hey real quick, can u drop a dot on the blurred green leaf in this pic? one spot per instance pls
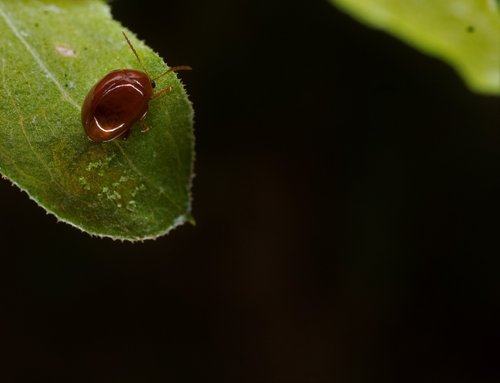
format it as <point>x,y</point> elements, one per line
<point>51,54</point>
<point>465,33</point>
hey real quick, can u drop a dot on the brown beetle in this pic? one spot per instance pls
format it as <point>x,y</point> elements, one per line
<point>119,100</point>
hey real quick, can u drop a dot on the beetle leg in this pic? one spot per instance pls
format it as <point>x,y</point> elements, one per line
<point>125,135</point>
<point>162,92</point>
<point>144,126</point>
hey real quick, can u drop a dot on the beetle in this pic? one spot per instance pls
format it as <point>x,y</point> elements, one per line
<point>119,100</point>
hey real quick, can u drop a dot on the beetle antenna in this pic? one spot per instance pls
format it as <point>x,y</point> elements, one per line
<point>135,53</point>
<point>174,69</point>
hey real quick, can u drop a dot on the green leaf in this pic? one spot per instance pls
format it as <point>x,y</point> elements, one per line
<point>51,54</point>
<point>465,33</point>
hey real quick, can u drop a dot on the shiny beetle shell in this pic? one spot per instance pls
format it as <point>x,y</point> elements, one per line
<point>115,104</point>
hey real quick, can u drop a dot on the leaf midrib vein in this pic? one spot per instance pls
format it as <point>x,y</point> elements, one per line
<point>10,23</point>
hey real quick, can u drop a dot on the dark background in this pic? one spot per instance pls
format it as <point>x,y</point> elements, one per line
<point>347,200</point>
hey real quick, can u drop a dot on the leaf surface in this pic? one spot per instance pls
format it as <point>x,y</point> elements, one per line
<point>465,33</point>
<point>51,54</point>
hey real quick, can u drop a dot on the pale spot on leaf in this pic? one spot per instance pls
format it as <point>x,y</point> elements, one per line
<point>65,51</point>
